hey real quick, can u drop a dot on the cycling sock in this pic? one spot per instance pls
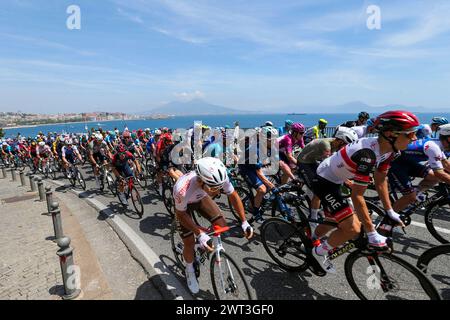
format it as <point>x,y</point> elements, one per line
<point>323,248</point>
<point>314,213</point>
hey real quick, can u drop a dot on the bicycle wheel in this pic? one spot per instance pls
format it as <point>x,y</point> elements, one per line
<point>73,178</point>
<point>80,180</point>
<point>247,201</point>
<point>435,262</point>
<point>284,243</point>
<point>137,202</point>
<point>168,200</point>
<point>227,278</point>
<point>387,277</point>
<point>111,184</point>
<point>437,220</point>
<point>177,244</point>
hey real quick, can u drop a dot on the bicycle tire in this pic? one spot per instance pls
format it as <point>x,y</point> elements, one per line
<point>371,282</point>
<point>137,202</point>
<point>81,180</point>
<point>168,200</point>
<point>430,254</point>
<point>284,243</point>
<point>431,217</point>
<point>224,258</point>
<point>177,252</point>
<point>111,184</point>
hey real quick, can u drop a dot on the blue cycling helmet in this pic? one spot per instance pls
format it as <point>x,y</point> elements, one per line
<point>370,122</point>
<point>439,120</point>
<point>423,131</point>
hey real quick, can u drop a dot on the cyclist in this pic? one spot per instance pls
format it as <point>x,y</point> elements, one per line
<point>286,146</point>
<point>98,153</point>
<point>357,161</point>
<point>314,153</point>
<point>424,131</point>
<point>287,127</point>
<point>254,174</point>
<point>408,165</point>
<point>43,152</point>
<point>165,158</point>
<point>436,122</point>
<point>316,131</point>
<point>68,154</point>
<point>365,129</point>
<point>121,167</point>
<point>6,152</point>
<point>194,191</point>
<point>128,142</point>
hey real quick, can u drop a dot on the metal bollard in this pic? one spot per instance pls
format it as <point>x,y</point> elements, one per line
<point>56,218</point>
<point>70,272</point>
<point>49,197</point>
<point>22,178</point>
<point>40,184</point>
<point>4,172</point>
<point>13,174</point>
<point>32,183</point>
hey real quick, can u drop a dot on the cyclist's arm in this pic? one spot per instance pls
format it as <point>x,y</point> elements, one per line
<point>442,175</point>
<point>381,185</point>
<point>236,202</point>
<point>361,207</point>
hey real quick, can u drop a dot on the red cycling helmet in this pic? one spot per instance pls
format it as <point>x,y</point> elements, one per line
<point>397,120</point>
<point>167,137</point>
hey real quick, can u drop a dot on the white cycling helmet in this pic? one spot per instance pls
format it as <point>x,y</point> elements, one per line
<point>444,130</point>
<point>99,137</point>
<point>211,171</point>
<point>157,132</point>
<point>41,144</point>
<point>348,135</point>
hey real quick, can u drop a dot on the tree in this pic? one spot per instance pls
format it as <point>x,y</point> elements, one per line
<point>2,133</point>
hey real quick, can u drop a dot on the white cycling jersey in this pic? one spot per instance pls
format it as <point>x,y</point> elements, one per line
<point>361,131</point>
<point>355,161</point>
<point>187,190</point>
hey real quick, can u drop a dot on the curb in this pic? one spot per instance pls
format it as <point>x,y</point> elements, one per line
<point>161,277</point>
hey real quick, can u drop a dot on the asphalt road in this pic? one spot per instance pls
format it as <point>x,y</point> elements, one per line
<point>267,280</point>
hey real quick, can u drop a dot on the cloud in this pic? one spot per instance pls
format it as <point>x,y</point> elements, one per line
<point>132,17</point>
<point>187,96</point>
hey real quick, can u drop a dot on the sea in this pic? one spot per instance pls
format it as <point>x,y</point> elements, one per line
<point>245,121</point>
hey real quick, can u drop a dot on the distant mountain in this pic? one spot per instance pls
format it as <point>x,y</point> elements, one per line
<point>193,107</point>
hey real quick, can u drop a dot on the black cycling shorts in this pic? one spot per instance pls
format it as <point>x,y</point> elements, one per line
<point>336,206</point>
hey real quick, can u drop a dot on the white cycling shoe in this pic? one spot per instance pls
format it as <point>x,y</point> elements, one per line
<point>192,281</point>
<point>324,262</point>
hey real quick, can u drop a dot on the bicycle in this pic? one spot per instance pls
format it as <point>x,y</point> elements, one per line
<point>167,195</point>
<point>371,274</point>
<point>227,284</point>
<point>105,175</point>
<point>130,191</point>
<point>431,254</point>
<point>74,175</point>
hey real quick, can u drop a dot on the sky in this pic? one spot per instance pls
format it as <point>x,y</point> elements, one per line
<point>134,55</point>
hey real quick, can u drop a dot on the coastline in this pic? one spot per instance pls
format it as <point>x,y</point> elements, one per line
<point>62,123</point>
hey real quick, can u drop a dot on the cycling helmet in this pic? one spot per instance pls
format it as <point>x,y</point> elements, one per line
<point>75,140</point>
<point>348,135</point>
<point>266,130</point>
<point>69,142</point>
<point>166,137</point>
<point>423,131</point>
<point>98,137</point>
<point>298,127</point>
<point>439,120</point>
<point>147,129</point>
<point>288,122</point>
<point>268,124</point>
<point>41,144</point>
<point>323,121</point>
<point>5,144</point>
<point>397,121</point>
<point>121,148</point>
<point>444,130</point>
<point>133,136</point>
<point>157,132</point>
<point>363,115</point>
<point>211,171</point>
<point>370,122</point>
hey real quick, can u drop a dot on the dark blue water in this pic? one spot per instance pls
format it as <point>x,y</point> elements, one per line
<point>245,121</point>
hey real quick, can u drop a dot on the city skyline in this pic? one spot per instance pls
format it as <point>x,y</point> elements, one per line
<point>138,55</point>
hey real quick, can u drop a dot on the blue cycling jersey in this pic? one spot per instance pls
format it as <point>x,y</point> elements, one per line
<point>416,150</point>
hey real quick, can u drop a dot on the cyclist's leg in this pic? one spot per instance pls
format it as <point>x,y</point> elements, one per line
<point>211,211</point>
<point>399,176</point>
